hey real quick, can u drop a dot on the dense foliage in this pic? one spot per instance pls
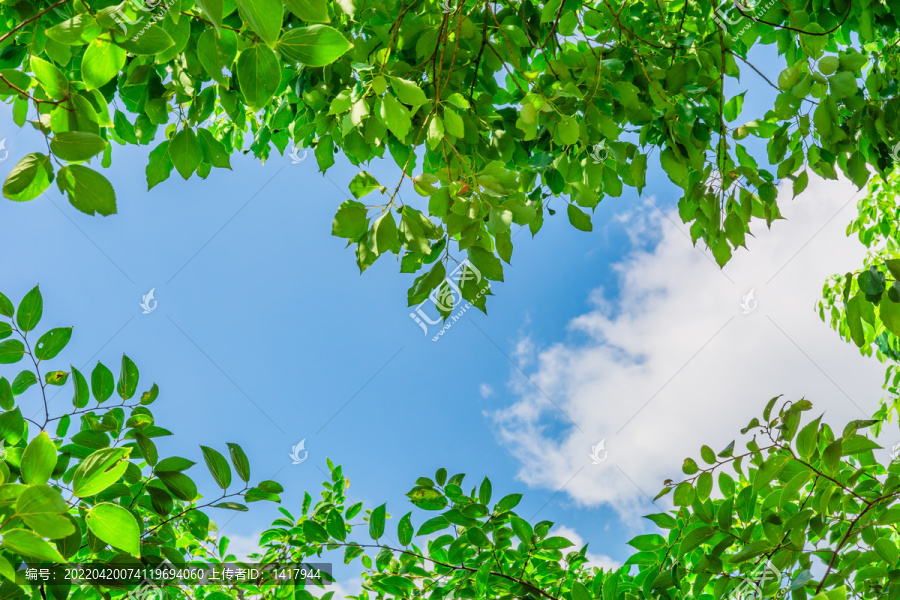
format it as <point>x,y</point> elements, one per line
<point>85,483</point>
<point>804,512</point>
<point>500,113</point>
<point>864,306</point>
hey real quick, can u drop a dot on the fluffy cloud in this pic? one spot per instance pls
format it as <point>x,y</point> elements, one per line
<point>680,354</point>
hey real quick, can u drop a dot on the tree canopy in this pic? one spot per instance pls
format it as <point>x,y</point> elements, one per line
<point>804,511</point>
<point>501,113</point>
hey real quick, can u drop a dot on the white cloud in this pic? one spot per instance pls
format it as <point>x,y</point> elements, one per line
<point>671,361</point>
<point>594,560</point>
<point>485,390</point>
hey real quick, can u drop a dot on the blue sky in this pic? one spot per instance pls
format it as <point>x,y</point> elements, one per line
<point>259,305</point>
<point>265,333</point>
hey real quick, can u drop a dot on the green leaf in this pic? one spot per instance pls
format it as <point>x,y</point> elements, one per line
<point>214,9</point>
<point>116,526</point>
<point>363,183</point>
<point>185,152</point>
<point>556,543</point>
<point>50,77</point>
<point>733,107</point>
<point>217,52</point>
<point>100,470</point>
<point>101,62</point>
<point>405,529</point>
<point>82,393</point>
<point>240,461</point>
<point>150,395</point>
<point>427,498</point>
<point>522,528</point>
<point>395,116</point>
<point>843,84</point>
<point>128,379</point>
<point>6,306</point>
<point>486,263</point>
<point>408,92</point>
<point>7,400</point>
<point>23,381</point>
<point>38,459</point>
<point>750,550</point>
<point>52,343</point>
<point>889,313</point>
<point>146,447</point>
<point>77,145</point>
<point>159,166</point>
<point>30,310</point>
<point>11,352</point>
<point>264,17</point>
<point>259,74</point>
<point>351,220</point>
<point>29,178</point>
<point>485,491</point>
<point>578,218</point>
<point>30,544</point>
<point>42,508</point>
<point>152,40</point>
<point>567,130</point>
<point>886,550</point>
<point>806,439</point>
<point>386,235</point>
<point>89,191</point>
<point>435,131</point>
<point>508,503</point>
<point>580,591</point>
<point>175,464</point>
<point>314,532</point>
<point>231,506</point>
<point>102,382</point>
<point>314,46</point>
<point>334,523</point>
<point>453,123</point>
<point>376,522</point>
<point>181,486</point>
<point>81,29</point>
<point>854,321</point>
<point>857,444</point>
<point>217,466</point>
<point>309,11</point>
<point>650,541</point>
